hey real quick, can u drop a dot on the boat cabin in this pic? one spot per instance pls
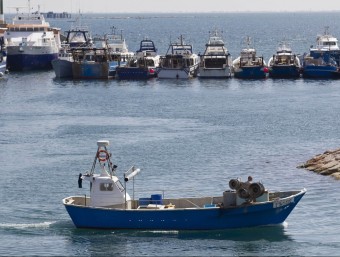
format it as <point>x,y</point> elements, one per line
<point>216,55</point>
<point>147,48</point>
<point>78,37</point>
<point>106,190</point>
<point>105,187</point>
<point>326,42</point>
<point>326,48</point>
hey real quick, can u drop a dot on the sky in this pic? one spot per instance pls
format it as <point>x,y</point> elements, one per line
<point>141,6</point>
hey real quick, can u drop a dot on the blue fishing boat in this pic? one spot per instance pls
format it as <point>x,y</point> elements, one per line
<point>323,60</point>
<point>248,65</point>
<point>109,206</point>
<point>93,63</point>
<point>143,65</point>
<point>284,64</point>
<point>77,37</point>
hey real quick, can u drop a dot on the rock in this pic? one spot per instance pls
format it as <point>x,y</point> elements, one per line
<point>326,164</point>
<point>336,175</point>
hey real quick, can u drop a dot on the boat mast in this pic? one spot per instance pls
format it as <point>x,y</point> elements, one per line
<point>29,8</point>
<point>2,18</point>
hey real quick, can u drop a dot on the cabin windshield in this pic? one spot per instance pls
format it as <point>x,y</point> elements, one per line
<point>329,43</point>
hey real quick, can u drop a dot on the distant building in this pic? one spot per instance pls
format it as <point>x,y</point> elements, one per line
<point>52,15</point>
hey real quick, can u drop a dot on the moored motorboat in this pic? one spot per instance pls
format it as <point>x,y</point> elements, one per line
<point>76,37</point>
<point>179,62</point>
<point>31,43</point>
<point>118,51</point>
<point>248,65</point>
<point>284,64</point>
<point>322,62</point>
<point>216,61</point>
<point>111,207</point>
<point>143,65</point>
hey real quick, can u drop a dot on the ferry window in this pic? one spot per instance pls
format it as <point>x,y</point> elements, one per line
<point>106,187</point>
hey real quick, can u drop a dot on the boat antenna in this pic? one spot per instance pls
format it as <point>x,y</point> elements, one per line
<point>113,30</point>
<point>248,41</point>
<point>29,8</point>
<point>181,39</point>
<point>326,30</point>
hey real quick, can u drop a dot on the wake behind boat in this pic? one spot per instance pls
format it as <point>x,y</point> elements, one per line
<point>31,43</point>
<point>179,62</point>
<point>111,207</point>
<point>216,60</point>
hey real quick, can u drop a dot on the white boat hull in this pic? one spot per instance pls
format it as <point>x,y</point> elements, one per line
<point>214,73</point>
<point>184,73</point>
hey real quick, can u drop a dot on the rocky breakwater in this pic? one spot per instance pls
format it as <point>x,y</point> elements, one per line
<point>327,164</point>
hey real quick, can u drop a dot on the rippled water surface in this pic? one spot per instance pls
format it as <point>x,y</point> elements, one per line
<point>188,137</point>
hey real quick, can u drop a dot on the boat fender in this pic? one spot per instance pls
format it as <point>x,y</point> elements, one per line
<point>102,155</point>
<point>235,184</point>
<point>80,181</point>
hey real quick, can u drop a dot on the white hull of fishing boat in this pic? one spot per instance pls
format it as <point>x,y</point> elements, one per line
<point>185,73</point>
<point>216,61</point>
<point>214,73</point>
<point>179,62</point>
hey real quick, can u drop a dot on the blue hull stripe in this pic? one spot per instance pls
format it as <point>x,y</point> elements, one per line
<point>133,73</point>
<point>250,73</point>
<point>284,72</point>
<point>21,62</point>
<point>319,72</point>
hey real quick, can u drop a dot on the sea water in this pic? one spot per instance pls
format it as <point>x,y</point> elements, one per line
<point>189,137</point>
